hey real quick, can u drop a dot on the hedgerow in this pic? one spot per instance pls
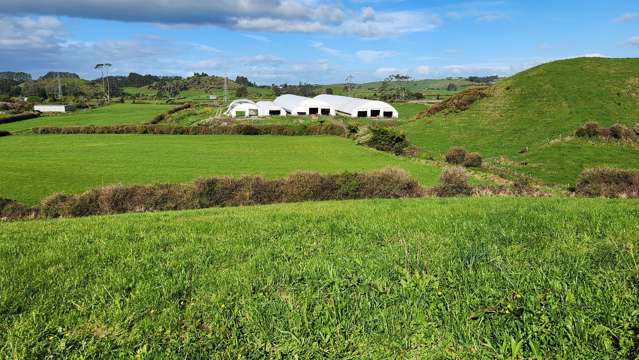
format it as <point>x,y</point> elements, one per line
<point>159,118</point>
<point>220,192</point>
<point>19,117</point>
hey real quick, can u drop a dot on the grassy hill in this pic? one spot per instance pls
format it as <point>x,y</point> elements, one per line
<point>105,115</point>
<point>540,105</point>
<point>423,278</point>
<point>34,167</point>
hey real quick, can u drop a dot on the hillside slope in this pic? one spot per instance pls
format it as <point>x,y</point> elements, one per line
<point>536,106</point>
<point>422,278</point>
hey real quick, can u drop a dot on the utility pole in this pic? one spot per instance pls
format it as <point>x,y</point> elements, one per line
<point>59,86</point>
<point>226,88</point>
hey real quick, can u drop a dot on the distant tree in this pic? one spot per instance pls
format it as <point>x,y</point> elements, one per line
<point>15,76</point>
<point>241,92</point>
<point>277,91</point>
<point>451,87</point>
<point>329,91</point>
<point>394,87</point>
<point>244,81</point>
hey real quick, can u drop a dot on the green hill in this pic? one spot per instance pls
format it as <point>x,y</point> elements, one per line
<point>537,109</point>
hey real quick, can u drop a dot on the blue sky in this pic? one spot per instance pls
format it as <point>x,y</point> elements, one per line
<point>317,41</point>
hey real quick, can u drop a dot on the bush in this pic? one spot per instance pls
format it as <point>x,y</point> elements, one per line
<point>456,156</point>
<point>159,118</point>
<point>608,182</point>
<point>472,159</point>
<point>4,133</point>
<point>453,182</point>
<point>383,139</point>
<point>13,210</point>
<point>19,117</point>
<point>590,129</point>
<point>617,131</point>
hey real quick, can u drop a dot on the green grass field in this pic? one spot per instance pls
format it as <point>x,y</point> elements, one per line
<point>106,115</point>
<point>538,105</point>
<point>34,167</point>
<point>423,278</point>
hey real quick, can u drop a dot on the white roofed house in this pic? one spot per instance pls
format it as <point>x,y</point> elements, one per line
<point>242,108</point>
<point>359,108</point>
<point>269,108</point>
<point>300,105</point>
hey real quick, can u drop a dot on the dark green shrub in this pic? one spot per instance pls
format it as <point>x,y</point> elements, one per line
<point>456,156</point>
<point>472,159</point>
<point>388,183</point>
<point>453,182</point>
<point>20,117</point>
<point>608,182</point>
<point>590,129</point>
<point>4,133</point>
<point>382,139</point>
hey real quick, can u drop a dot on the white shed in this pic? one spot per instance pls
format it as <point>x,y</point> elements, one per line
<point>54,108</point>
<point>269,108</point>
<point>242,108</point>
<point>359,108</point>
<point>300,105</point>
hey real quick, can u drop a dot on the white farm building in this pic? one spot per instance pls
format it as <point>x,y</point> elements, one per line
<point>359,108</point>
<point>269,108</point>
<point>300,105</point>
<point>242,108</point>
<point>53,108</point>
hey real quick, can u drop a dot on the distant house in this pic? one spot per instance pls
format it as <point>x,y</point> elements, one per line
<point>54,108</point>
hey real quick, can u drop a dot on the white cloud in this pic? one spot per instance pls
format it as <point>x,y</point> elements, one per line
<point>424,70</point>
<point>634,41</point>
<point>373,55</point>
<point>322,47</point>
<point>29,32</point>
<point>626,17</point>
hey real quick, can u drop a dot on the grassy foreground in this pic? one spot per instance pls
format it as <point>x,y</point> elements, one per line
<point>106,115</point>
<point>423,278</point>
<point>34,167</point>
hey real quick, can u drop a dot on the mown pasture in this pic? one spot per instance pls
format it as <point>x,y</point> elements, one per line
<point>422,278</point>
<point>106,115</point>
<point>37,166</point>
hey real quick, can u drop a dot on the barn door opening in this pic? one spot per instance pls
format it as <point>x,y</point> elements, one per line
<point>274,112</point>
<point>375,113</point>
<point>362,114</point>
<point>388,114</point>
<point>326,111</point>
<point>313,111</point>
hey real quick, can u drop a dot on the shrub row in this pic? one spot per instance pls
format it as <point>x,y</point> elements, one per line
<point>20,117</point>
<point>456,103</point>
<point>616,132</point>
<point>4,133</point>
<point>159,118</point>
<point>235,129</point>
<point>459,156</point>
<point>608,182</point>
<point>220,192</point>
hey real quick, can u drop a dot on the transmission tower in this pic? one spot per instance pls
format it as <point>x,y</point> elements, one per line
<point>349,84</point>
<point>59,86</point>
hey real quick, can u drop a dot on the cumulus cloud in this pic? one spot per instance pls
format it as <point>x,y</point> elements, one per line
<point>305,16</point>
<point>373,55</point>
<point>323,48</point>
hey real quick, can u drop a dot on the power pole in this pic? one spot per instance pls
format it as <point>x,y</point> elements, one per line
<point>226,88</point>
<point>59,86</point>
